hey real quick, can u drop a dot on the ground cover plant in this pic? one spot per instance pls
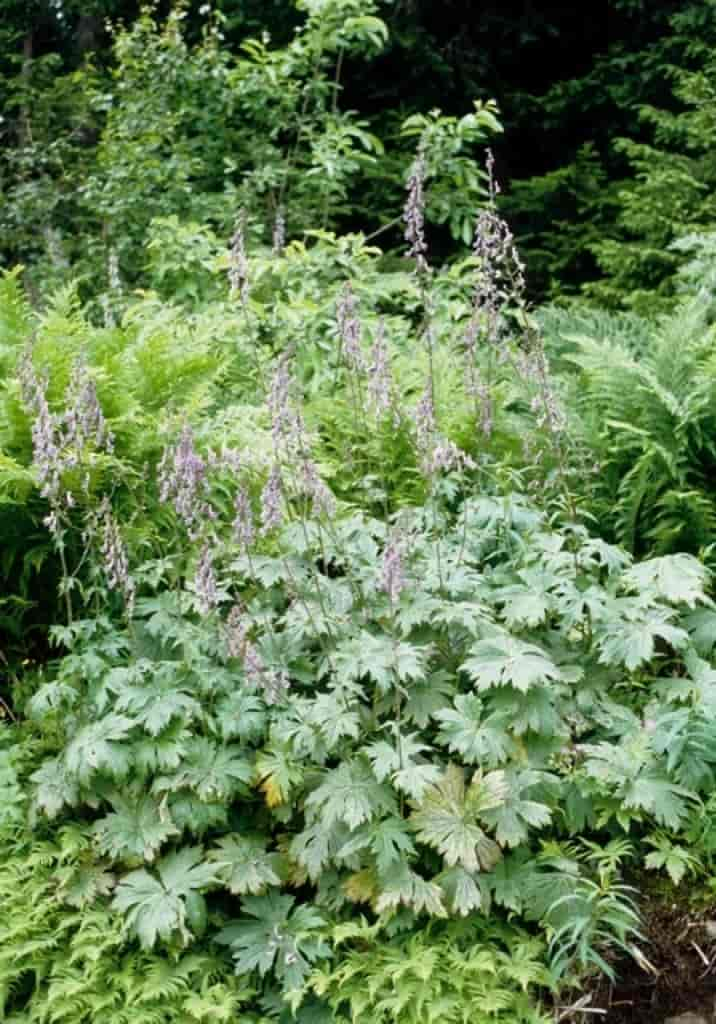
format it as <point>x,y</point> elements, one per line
<point>358,654</point>
<point>276,707</point>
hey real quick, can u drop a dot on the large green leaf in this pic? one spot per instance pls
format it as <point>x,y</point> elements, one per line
<point>274,933</point>
<point>350,794</point>
<point>506,661</point>
<point>448,818</point>
<point>137,827</point>
<point>159,906</point>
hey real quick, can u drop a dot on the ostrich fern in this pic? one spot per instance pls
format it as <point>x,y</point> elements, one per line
<point>651,422</point>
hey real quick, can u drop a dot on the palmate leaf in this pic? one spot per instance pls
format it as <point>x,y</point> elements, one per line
<point>669,804</point>
<point>462,891</point>
<point>279,772</point>
<point>470,615</point>
<point>597,552</point>
<point>679,579</point>
<point>213,772</point>
<point>164,753</point>
<point>447,818</point>
<point>81,886</point>
<point>334,718</point>
<point>137,827</point>
<point>55,787</point>
<point>401,886</point>
<point>98,747</point>
<point>241,715</point>
<point>699,686</point>
<point>388,840</point>
<point>419,610</point>
<point>478,738</point>
<point>274,934</point>
<point>427,696</point>
<point>534,711</point>
<point>390,843</point>
<point>298,730</point>
<point>244,864</point>
<point>312,848</point>
<point>575,604</point>
<point>632,644</point>
<point>155,703</point>
<point>381,659</point>
<point>688,741</point>
<point>399,764</point>
<point>506,661</point>
<point>159,906</point>
<point>52,697</point>
<point>195,816</point>
<point>350,794</point>
<point>315,726</point>
<point>615,764</point>
<point>517,814</point>
<point>631,773</point>
<point>701,624</point>
<point>527,603</point>
<point>508,880</point>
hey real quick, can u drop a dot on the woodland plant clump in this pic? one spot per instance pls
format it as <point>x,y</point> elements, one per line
<point>332,702</point>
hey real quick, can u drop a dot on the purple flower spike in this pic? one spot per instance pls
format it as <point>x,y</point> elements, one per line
<point>272,502</point>
<point>183,481</point>
<point>205,581</point>
<point>380,380</point>
<point>414,213</point>
<point>349,329</point>
<point>425,426</point>
<point>392,576</point>
<point>244,532</point>
<point>114,552</point>
<point>323,502</point>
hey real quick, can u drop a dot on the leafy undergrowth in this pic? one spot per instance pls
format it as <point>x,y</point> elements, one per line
<point>349,714</point>
<point>676,974</point>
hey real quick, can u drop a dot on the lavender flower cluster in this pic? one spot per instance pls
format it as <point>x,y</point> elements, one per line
<point>500,278</point>
<point>375,373</point>
<point>272,682</point>
<point>380,378</point>
<point>392,574</point>
<point>292,461</point>
<point>205,584</point>
<point>63,442</point>
<point>183,482</point>
<point>116,562</point>
<point>414,213</point>
<point>243,526</point>
<point>350,330</point>
<point>437,453</point>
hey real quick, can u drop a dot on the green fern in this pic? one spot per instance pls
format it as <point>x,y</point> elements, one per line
<point>651,422</point>
<point>446,974</point>
<point>70,964</point>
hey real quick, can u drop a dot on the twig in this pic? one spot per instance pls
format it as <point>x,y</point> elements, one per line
<point>704,959</point>
<point>708,969</point>
<point>581,1006</point>
<point>386,227</point>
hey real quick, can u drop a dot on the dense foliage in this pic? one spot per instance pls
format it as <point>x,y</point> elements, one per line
<point>358,640</point>
<point>605,112</point>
